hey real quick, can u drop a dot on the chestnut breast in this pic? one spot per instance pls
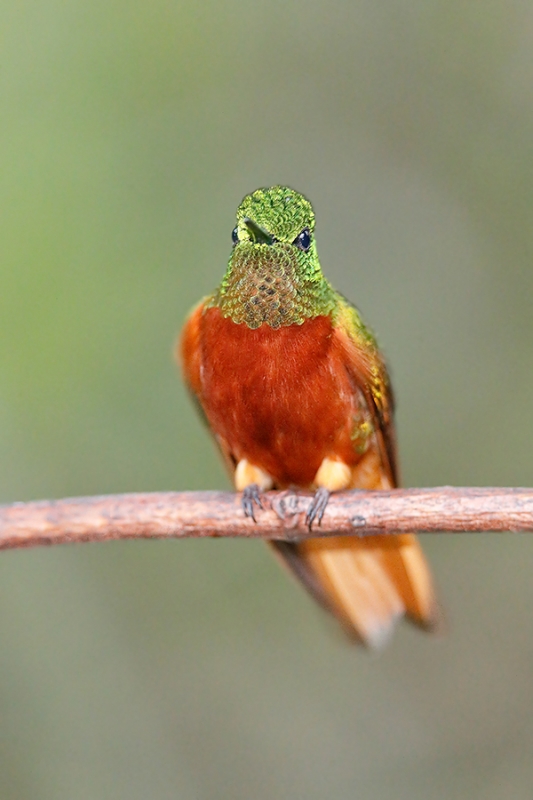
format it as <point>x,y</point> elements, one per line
<point>282,398</point>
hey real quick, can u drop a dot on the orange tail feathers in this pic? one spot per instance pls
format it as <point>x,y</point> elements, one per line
<point>367,583</point>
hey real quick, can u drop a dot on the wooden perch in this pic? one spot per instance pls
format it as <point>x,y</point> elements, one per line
<point>162,515</point>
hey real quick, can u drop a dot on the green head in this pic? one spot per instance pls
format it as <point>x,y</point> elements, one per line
<point>275,215</point>
<point>274,276</point>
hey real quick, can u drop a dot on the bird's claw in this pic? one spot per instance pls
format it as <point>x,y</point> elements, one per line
<point>251,495</point>
<point>317,507</point>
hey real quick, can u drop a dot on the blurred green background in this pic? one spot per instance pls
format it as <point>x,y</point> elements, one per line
<point>129,133</point>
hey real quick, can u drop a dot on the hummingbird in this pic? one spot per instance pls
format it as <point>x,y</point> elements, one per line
<point>296,393</point>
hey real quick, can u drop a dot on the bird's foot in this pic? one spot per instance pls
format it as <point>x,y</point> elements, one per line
<point>251,494</point>
<point>317,507</point>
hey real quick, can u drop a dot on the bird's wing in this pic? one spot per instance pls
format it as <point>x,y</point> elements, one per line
<point>188,350</point>
<point>188,354</point>
<point>368,583</point>
<point>367,370</point>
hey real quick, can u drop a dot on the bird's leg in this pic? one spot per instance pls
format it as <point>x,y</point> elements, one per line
<point>332,476</point>
<point>251,481</point>
<point>317,507</point>
<point>251,495</point>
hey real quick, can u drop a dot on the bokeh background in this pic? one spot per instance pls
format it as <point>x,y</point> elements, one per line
<point>129,133</point>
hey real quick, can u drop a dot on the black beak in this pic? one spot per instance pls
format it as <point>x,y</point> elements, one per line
<point>258,234</point>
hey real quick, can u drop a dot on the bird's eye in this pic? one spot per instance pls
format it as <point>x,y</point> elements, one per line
<point>235,235</point>
<point>303,240</point>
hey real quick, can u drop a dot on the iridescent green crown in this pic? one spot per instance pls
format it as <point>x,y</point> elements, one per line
<point>281,211</point>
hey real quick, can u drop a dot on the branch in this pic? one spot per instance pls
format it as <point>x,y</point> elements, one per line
<point>164,515</point>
